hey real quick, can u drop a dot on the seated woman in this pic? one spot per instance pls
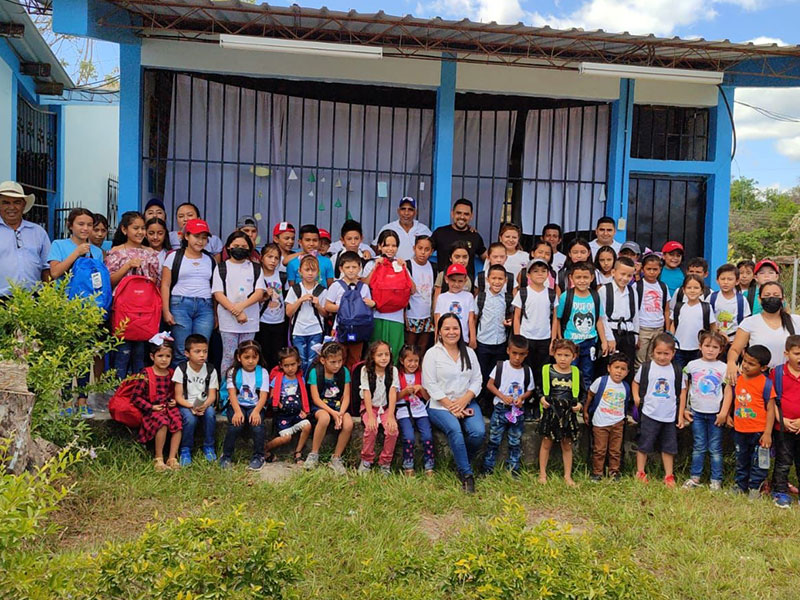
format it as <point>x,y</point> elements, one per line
<point>452,376</point>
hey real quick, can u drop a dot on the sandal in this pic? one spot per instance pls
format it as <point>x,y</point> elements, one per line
<point>173,465</point>
<point>269,457</point>
<point>298,457</point>
<point>159,465</point>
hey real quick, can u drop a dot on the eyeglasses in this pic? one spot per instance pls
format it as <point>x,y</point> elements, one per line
<point>18,236</point>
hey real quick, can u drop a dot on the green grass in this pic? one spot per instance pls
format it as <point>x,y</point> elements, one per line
<point>697,544</point>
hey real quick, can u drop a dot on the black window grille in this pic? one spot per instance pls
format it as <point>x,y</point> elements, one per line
<point>112,204</point>
<point>670,133</point>
<point>37,143</point>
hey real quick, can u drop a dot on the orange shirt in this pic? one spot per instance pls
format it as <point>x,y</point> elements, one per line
<point>750,414</point>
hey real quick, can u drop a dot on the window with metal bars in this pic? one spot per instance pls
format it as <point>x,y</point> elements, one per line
<point>37,143</point>
<point>670,133</point>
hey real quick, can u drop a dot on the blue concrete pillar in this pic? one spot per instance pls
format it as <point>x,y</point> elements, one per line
<point>444,122</point>
<point>130,127</point>
<point>718,186</point>
<point>619,156</point>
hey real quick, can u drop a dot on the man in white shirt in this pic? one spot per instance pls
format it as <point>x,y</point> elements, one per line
<point>551,233</point>
<point>407,228</point>
<point>604,230</point>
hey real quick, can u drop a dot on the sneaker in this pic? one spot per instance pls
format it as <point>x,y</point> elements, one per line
<point>737,491</point>
<point>781,500</point>
<point>669,481</point>
<point>85,412</point>
<point>67,412</point>
<point>692,484</point>
<point>186,457</point>
<point>715,485</point>
<point>386,469</point>
<point>754,494</point>
<point>337,464</point>
<point>515,473</point>
<point>364,468</point>
<point>641,476</point>
<point>256,463</point>
<point>312,461</point>
<point>225,462</point>
<point>595,478</point>
<point>209,453</point>
<point>617,476</point>
<point>468,484</point>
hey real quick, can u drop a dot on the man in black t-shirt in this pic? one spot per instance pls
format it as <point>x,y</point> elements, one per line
<point>459,229</point>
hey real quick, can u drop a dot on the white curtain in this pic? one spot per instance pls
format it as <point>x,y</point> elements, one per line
<point>564,167</point>
<point>282,157</point>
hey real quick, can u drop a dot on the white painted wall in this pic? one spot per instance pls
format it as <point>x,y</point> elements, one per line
<point>91,152</point>
<point>7,124</point>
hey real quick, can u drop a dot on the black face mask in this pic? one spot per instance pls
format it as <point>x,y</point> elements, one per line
<point>238,253</point>
<point>771,305</point>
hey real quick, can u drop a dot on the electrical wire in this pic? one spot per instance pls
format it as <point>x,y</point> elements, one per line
<point>730,115</point>
<point>770,114</point>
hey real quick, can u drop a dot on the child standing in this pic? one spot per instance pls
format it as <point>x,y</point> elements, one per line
<point>154,397</point>
<point>309,246</point>
<point>283,235</point>
<point>604,411</point>
<point>352,235</point>
<point>747,282</point>
<point>419,322</point>
<point>765,271</point>
<point>247,384</point>
<point>516,257</point>
<point>753,418</point>
<point>604,261</point>
<point>183,214</point>
<point>411,410</point>
<point>493,319</point>
<point>457,301</point>
<point>459,255</point>
<point>786,379</point>
<point>496,255</point>
<point>196,388</point>
<point>578,251</point>
<point>329,383</point>
<point>290,406</point>
<point>656,389</point>
<point>99,231</point>
<point>729,305</point>
<point>272,330</point>
<point>511,383</point>
<point>157,239</point>
<point>305,311</point>
<point>690,318</point>
<point>672,275</point>
<point>703,387</point>
<point>653,297</point>
<point>562,397</point>
<point>380,383</point>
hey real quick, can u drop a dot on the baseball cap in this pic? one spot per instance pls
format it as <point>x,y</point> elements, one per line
<point>671,246</point>
<point>154,202</point>
<point>196,226</point>
<point>408,200</point>
<point>14,190</point>
<point>246,221</point>
<point>456,270</point>
<point>766,262</point>
<point>324,234</point>
<point>282,227</point>
<point>536,261</point>
<point>632,246</point>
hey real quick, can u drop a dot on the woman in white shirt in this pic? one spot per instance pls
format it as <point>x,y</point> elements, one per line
<point>452,376</point>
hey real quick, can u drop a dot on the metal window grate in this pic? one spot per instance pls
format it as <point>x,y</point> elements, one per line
<point>670,133</point>
<point>37,142</point>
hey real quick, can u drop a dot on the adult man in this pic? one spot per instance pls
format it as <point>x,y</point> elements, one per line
<point>444,237</point>
<point>551,234</point>
<point>406,227</point>
<point>604,230</point>
<point>24,246</point>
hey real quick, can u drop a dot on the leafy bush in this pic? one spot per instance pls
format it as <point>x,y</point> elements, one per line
<point>199,557</point>
<point>512,560</point>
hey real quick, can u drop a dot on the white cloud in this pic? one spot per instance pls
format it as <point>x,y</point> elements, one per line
<point>752,125</point>
<point>502,11</point>
<point>764,40</point>
<point>789,147</point>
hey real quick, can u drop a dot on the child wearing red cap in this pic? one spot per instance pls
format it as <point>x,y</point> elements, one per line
<point>765,271</point>
<point>458,301</point>
<point>283,234</point>
<point>324,242</point>
<point>672,275</point>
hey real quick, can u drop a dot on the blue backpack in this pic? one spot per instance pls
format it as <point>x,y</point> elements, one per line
<point>237,381</point>
<point>89,277</point>
<point>630,407</point>
<point>354,319</point>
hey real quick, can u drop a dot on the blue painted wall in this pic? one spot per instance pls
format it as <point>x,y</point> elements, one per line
<point>619,156</point>
<point>443,144</point>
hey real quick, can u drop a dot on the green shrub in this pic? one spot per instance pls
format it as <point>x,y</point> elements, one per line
<point>511,560</point>
<point>199,557</point>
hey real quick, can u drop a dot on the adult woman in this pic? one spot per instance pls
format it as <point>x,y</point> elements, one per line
<point>769,328</point>
<point>516,257</point>
<point>452,377</point>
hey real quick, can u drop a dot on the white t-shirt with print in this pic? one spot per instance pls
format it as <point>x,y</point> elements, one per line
<point>379,398</point>
<point>659,401</point>
<point>275,310</point>
<point>512,382</point>
<point>704,381</point>
<point>764,335</point>
<point>240,285</point>
<point>462,304</point>
<point>396,316</point>
<point>417,404</point>
<point>611,406</point>
<point>194,389</point>
<point>652,311</point>
<point>336,291</point>
<point>419,306</point>
<point>535,324</point>
<point>726,311</point>
<point>690,324</point>
<point>306,322</point>
<point>246,394</point>
<point>194,276</point>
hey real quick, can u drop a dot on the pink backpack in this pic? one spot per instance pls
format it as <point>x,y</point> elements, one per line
<point>138,300</point>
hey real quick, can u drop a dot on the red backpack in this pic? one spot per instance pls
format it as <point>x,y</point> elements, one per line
<point>120,406</point>
<point>390,289</point>
<point>138,300</point>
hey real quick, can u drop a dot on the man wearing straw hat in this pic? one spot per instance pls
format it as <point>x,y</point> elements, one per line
<point>24,246</point>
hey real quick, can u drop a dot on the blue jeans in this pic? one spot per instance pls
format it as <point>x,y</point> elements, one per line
<point>464,436</point>
<point>587,353</point>
<point>190,420</point>
<point>499,425</point>
<point>423,425</point>
<point>303,343</point>
<point>749,476</point>
<point>192,315</point>
<point>258,432</point>
<point>707,438</point>
<point>129,358</point>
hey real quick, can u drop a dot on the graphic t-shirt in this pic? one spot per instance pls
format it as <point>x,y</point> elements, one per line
<point>582,322</point>
<point>659,401</point>
<point>460,304</point>
<point>194,390</point>
<point>273,306</point>
<point>611,405</point>
<point>749,412</point>
<point>704,381</point>
<point>291,401</point>
<point>416,403</point>
<point>726,311</point>
<point>329,392</point>
<point>419,306</point>
<point>561,386</point>
<point>652,302</point>
<point>512,382</point>
<point>246,394</point>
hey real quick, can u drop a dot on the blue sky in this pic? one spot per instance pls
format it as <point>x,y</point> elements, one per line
<point>768,151</point>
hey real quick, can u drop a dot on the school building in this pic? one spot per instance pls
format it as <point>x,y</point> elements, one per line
<point>311,115</point>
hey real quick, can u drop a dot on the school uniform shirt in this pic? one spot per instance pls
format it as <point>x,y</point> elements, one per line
<point>443,377</point>
<point>726,311</point>
<point>490,329</point>
<point>672,278</point>
<point>512,382</point>
<point>790,399</point>
<point>651,313</point>
<point>600,279</point>
<point>194,276</point>
<point>582,322</point>
<point>749,412</point>
<point>274,308</point>
<point>379,397</point>
<point>240,285</point>
<point>328,390</point>
<point>659,401</point>
<point>611,405</point>
<point>246,394</point>
<point>194,391</point>
<point>306,321</point>
<point>704,381</point>
<point>337,247</point>
<point>690,324</point>
<point>325,270</point>
<point>336,292</point>
<point>396,316</point>
<point>595,246</point>
<point>214,245</point>
<point>461,304</point>
<point>559,259</point>
<point>516,263</point>
<point>407,238</point>
<point>61,249</point>
<point>419,306</point>
<point>762,334</point>
<point>416,403</point>
<point>621,319</point>
<point>536,323</point>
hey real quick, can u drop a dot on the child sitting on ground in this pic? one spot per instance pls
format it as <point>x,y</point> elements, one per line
<point>411,411</point>
<point>379,387</point>
<point>604,412</point>
<point>289,405</point>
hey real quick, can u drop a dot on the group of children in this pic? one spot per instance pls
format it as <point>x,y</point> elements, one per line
<point>604,331</point>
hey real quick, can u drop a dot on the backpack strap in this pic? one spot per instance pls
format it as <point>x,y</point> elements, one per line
<point>210,370</point>
<point>276,390</point>
<point>712,300</point>
<point>551,294</point>
<point>706,308</point>
<point>664,292</point>
<point>528,375</point>
<point>523,299</point>
<point>509,283</point>
<point>498,372</point>
<point>565,315</point>
<point>751,295</point>
<point>640,292</point>
<point>480,281</point>
<point>767,392</point>
<point>481,302</point>
<point>644,383</point>
<point>610,301</point>
<point>601,388</point>
<point>676,314</point>
<point>739,307</point>
<point>678,380</point>
<point>546,380</point>
<point>176,268</point>
<point>598,309</point>
<point>151,382</point>
<point>576,382</point>
<point>223,275</point>
<point>778,383</point>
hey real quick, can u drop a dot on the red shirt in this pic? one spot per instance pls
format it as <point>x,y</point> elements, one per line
<point>790,399</point>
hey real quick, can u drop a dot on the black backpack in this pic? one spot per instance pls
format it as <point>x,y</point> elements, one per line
<point>644,383</point>
<point>210,370</point>
<point>523,299</point>
<point>706,314</point>
<point>316,292</point>
<point>223,275</point>
<point>338,378</point>
<point>679,296</point>
<point>176,267</point>
<point>498,375</point>
<point>480,282</point>
<point>568,302</point>
<point>481,302</point>
<point>609,287</point>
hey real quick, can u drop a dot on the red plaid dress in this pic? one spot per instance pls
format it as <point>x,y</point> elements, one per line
<point>152,421</point>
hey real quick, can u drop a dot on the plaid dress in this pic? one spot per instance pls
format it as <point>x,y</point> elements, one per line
<point>152,421</point>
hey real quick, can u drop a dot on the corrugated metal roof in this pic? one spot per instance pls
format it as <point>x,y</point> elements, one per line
<point>516,44</point>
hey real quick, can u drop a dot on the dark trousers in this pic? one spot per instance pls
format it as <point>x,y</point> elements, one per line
<point>587,354</point>
<point>626,344</point>
<point>538,356</point>
<point>749,476</point>
<point>684,357</point>
<point>488,356</point>
<point>787,451</point>
<point>258,432</point>
<point>272,338</point>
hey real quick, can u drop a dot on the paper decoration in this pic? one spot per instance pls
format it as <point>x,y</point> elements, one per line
<point>383,189</point>
<point>260,194</point>
<point>257,216</point>
<point>311,178</point>
<point>338,204</point>
<point>350,216</point>
<point>338,183</point>
<point>350,186</point>
<point>421,186</point>
<point>311,193</point>
<point>261,171</point>
<point>292,175</point>
<point>321,207</point>
<point>258,239</point>
<point>322,180</point>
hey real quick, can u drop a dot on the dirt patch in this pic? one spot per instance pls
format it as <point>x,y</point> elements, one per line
<point>577,525</point>
<point>438,527</point>
<point>277,472</point>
